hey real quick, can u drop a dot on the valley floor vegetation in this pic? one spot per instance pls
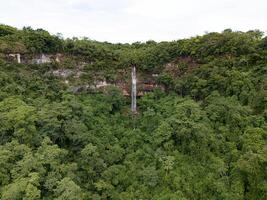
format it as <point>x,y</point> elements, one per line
<point>203,137</point>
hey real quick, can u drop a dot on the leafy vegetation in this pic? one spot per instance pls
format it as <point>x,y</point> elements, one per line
<point>204,137</point>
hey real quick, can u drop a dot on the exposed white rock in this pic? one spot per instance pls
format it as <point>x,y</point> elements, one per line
<point>17,56</point>
<point>100,84</point>
<point>79,88</point>
<point>42,59</point>
<point>58,57</point>
<point>78,74</point>
<point>63,73</point>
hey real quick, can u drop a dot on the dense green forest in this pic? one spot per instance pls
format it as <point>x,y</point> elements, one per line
<point>203,137</point>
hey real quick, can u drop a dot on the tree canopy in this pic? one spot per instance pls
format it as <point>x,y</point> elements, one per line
<point>203,137</point>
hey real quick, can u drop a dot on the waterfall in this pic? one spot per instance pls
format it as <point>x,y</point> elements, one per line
<point>133,95</point>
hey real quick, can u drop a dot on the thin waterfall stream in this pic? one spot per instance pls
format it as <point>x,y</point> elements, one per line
<point>133,94</point>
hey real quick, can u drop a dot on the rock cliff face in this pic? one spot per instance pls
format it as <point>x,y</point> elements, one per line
<point>71,75</point>
<point>75,74</point>
<point>143,85</point>
<point>34,59</point>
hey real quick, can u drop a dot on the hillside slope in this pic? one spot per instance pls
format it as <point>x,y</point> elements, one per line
<point>67,131</point>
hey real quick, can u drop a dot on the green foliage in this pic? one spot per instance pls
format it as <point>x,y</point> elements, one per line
<point>203,137</point>
<point>17,120</point>
<point>40,41</point>
<point>24,188</point>
<point>6,30</point>
<point>28,40</point>
<point>68,190</point>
